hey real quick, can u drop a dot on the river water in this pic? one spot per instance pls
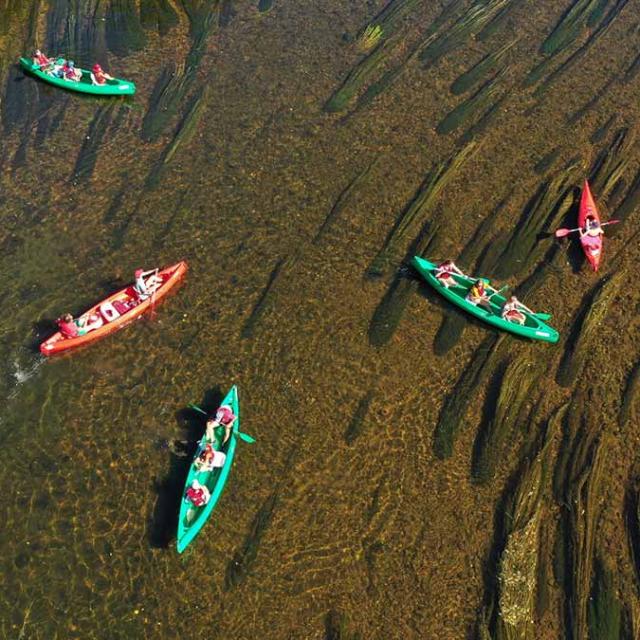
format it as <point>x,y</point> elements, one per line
<point>297,160</point>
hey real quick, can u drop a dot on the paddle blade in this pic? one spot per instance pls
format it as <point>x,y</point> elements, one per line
<point>543,316</point>
<point>561,233</point>
<point>246,437</point>
<point>610,222</point>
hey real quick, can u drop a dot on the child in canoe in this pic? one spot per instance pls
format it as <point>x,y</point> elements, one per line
<point>99,76</point>
<point>70,72</point>
<point>444,273</point>
<point>209,459</point>
<point>477,295</point>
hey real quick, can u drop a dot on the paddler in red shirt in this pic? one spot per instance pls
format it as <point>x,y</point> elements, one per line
<point>99,76</point>
<point>67,326</point>
<point>41,60</point>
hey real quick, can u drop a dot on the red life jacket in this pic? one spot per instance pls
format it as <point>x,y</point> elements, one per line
<point>68,329</point>
<point>99,76</point>
<point>197,496</point>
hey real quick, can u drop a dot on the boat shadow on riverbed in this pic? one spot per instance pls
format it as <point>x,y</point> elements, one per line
<point>163,522</point>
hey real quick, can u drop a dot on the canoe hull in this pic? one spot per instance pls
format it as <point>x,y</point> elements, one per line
<point>533,328</point>
<point>57,343</point>
<point>592,247</point>
<point>113,87</point>
<point>190,525</point>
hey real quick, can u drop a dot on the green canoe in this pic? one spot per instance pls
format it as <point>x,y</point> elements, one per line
<point>193,518</point>
<point>533,327</point>
<point>113,87</point>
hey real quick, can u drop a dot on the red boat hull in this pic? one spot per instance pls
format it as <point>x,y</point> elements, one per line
<point>170,276</point>
<point>592,246</point>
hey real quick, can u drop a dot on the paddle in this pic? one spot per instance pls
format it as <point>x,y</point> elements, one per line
<point>243,436</point>
<point>561,233</point>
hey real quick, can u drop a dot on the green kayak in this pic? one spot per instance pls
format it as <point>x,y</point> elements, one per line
<point>113,87</point>
<point>533,327</point>
<point>193,518</point>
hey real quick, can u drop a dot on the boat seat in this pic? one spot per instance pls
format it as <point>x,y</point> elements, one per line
<point>108,312</point>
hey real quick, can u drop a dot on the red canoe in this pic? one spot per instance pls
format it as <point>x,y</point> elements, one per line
<point>591,245</point>
<point>116,311</point>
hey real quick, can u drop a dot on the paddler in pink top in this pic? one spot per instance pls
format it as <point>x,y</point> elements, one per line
<point>41,60</point>
<point>445,272</point>
<point>67,326</point>
<point>224,418</point>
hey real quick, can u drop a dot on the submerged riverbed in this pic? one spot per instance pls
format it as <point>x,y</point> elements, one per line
<point>416,474</point>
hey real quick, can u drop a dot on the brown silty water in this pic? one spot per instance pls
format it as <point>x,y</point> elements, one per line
<point>416,475</point>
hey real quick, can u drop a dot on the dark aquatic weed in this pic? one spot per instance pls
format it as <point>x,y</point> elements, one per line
<point>357,78</point>
<point>472,106</point>
<point>605,607</point>
<point>92,142</point>
<point>123,30</point>
<point>511,611</point>
<point>243,560</point>
<point>612,162</point>
<point>356,424</point>
<point>600,133</point>
<point>578,484</point>
<point>543,211</point>
<point>158,14</point>
<point>472,21</point>
<point>592,313</point>
<point>547,161</point>
<point>628,407</point>
<point>481,69</point>
<point>483,362</point>
<point>511,408</point>
<point>568,27</point>
<point>339,204</point>
<point>413,217</point>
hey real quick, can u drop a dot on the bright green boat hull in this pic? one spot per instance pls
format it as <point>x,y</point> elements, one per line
<point>113,87</point>
<point>533,327</point>
<point>192,518</point>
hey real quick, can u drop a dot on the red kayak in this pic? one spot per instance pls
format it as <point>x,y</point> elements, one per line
<point>591,245</point>
<point>115,312</point>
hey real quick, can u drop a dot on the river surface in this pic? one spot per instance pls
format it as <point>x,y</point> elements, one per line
<point>416,474</point>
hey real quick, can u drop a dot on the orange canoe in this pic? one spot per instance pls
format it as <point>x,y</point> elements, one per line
<point>116,311</point>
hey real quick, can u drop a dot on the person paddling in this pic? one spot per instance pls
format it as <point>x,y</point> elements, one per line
<point>99,76</point>
<point>477,295</point>
<point>592,228</point>
<point>144,288</point>
<point>445,271</point>
<point>67,326</point>
<point>511,310</point>
<point>224,419</point>
<point>41,60</point>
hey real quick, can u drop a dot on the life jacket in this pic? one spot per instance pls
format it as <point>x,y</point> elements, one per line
<point>68,329</point>
<point>197,496</point>
<point>224,415</point>
<point>477,290</point>
<point>41,60</point>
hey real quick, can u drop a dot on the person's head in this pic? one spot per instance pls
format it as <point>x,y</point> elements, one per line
<point>38,52</point>
<point>97,68</point>
<point>138,273</point>
<point>67,317</point>
<point>513,299</point>
<point>60,61</point>
<point>446,263</point>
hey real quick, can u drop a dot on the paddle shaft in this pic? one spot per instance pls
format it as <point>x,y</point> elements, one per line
<point>561,233</point>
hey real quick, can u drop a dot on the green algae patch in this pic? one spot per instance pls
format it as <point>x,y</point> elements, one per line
<point>585,328</point>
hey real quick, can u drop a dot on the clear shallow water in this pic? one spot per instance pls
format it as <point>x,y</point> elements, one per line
<point>340,520</point>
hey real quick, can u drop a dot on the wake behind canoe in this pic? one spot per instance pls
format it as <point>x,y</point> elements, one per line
<point>533,328</point>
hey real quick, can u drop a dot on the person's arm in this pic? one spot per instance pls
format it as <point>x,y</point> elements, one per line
<point>227,431</point>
